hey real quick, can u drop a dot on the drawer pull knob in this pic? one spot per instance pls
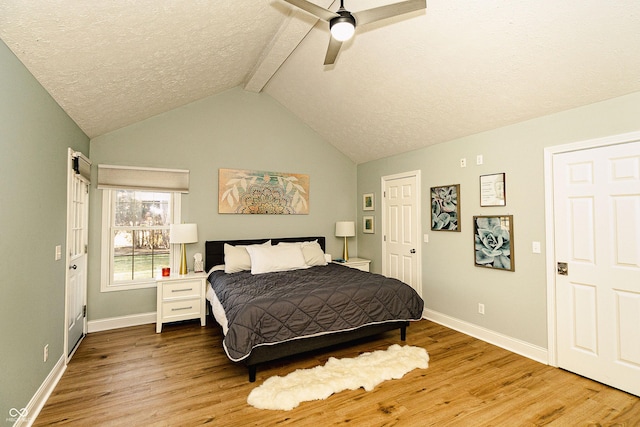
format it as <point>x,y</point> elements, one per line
<point>182,308</point>
<point>182,290</point>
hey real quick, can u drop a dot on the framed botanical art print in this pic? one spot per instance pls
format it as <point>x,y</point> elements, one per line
<point>367,224</point>
<point>493,242</point>
<point>445,208</point>
<point>368,202</point>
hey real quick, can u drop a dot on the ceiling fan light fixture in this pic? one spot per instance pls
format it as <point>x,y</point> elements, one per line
<point>342,27</point>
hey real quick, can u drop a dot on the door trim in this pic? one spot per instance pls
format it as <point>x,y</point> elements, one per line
<point>549,153</point>
<point>383,180</point>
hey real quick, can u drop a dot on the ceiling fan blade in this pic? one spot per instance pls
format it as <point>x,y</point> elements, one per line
<point>383,12</point>
<point>332,51</point>
<point>313,9</point>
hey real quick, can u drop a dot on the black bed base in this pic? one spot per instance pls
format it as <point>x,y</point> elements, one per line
<point>278,351</point>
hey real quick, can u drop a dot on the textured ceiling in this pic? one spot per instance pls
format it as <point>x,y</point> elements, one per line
<point>458,68</point>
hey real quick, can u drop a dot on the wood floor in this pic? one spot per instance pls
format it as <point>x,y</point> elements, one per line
<point>135,377</point>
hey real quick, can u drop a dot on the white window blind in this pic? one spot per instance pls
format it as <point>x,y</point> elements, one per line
<point>138,178</point>
<point>82,165</point>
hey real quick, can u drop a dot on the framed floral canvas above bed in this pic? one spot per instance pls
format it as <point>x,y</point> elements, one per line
<point>493,242</point>
<point>261,192</point>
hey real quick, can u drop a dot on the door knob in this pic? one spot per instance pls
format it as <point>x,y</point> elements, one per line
<point>563,269</point>
<point>73,267</point>
<point>413,251</point>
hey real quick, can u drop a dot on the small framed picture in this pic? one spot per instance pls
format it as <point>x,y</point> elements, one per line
<point>368,202</point>
<point>493,190</point>
<point>445,208</point>
<point>367,224</point>
<point>493,242</point>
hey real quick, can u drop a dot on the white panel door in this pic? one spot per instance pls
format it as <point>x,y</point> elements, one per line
<point>597,235</point>
<point>77,232</point>
<point>401,230</point>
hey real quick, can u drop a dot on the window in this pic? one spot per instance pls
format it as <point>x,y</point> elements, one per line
<point>135,236</point>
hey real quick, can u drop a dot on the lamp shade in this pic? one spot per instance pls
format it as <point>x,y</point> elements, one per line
<point>183,233</point>
<point>345,228</point>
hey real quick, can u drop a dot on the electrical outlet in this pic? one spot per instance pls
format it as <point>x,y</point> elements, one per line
<point>479,159</point>
<point>58,254</point>
<point>463,163</point>
<point>480,308</point>
<point>45,353</point>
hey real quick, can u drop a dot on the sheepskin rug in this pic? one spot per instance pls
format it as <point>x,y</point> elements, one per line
<point>366,371</point>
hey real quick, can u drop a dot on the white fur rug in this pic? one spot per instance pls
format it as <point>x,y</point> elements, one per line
<point>366,371</point>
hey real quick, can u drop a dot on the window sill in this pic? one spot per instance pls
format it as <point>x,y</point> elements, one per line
<point>128,287</point>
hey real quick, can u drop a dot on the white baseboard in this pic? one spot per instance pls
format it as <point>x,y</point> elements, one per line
<point>30,413</point>
<point>514,345</point>
<point>120,322</point>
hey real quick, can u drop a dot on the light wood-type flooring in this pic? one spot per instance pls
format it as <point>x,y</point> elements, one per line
<point>181,377</point>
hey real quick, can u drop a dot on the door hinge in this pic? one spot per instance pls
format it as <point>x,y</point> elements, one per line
<point>84,311</point>
<point>384,238</point>
<point>86,249</point>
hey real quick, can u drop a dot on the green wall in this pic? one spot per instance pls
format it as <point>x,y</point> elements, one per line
<point>515,302</point>
<point>237,130</point>
<point>243,130</point>
<point>35,135</point>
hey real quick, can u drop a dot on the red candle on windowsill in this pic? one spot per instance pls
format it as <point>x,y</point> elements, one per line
<point>166,271</point>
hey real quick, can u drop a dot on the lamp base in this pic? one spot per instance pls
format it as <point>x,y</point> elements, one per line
<point>183,260</point>
<point>345,250</point>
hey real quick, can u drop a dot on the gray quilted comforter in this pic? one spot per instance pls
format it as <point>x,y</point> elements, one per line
<point>274,307</point>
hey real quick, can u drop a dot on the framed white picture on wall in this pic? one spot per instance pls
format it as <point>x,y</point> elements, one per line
<point>368,202</point>
<point>493,190</point>
<point>368,224</point>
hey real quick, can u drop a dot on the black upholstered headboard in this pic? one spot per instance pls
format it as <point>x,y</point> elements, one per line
<point>214,249</point>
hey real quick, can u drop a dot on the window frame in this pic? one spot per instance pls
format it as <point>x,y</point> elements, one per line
<point>107,256</point>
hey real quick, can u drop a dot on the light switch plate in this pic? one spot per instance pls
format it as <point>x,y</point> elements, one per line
<point>535,247</point>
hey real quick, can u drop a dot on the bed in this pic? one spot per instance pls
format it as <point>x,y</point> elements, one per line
<point>301,304</point>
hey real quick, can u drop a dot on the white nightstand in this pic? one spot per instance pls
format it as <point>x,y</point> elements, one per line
<point>180,298</point>
<point>358,263</point>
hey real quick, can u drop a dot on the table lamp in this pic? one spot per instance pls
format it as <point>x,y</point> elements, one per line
<point>345,229</point>
<point>181,234</point>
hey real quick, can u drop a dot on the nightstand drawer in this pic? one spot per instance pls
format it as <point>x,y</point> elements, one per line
<point>175,310</point>
<point>182,289</point>
<point>364,266</point>
<point>357,263</point>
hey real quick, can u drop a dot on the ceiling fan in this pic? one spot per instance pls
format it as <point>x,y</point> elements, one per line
<point>342,23</point>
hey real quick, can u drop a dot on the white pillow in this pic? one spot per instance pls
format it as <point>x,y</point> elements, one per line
<point>312,252</point>
<point>236,258</point>
<point>275,258</point>
<point>215,268</point>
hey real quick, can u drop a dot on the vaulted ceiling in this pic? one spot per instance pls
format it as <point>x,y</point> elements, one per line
<point>457,68</point>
